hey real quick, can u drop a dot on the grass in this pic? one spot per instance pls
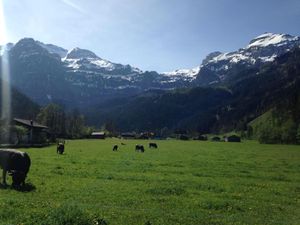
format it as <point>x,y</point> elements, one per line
<point>182,182</point>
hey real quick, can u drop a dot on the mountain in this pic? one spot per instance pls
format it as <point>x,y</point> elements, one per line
<point>77,78</point>
<point>94,75</point>
<point>223,67</point>
<point>39,74</point>
<point>103,90</point>
<point>84,60</point>
<point>80,73</point>
<point>274,86</point>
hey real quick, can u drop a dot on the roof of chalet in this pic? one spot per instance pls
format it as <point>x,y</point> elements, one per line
<point>98,133</point>
<point>30,123</point>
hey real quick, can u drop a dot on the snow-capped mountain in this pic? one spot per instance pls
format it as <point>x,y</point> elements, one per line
<point>85,68</point>
<point>218,66</point>
<point>84,60</point>
<point>81,74</point>
<point>267,39</point>
<point>262,49</point>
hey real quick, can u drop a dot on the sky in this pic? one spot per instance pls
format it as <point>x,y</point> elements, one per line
<point>160,35</point>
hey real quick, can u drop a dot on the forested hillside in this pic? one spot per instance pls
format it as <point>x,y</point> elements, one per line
<point>220,109</point>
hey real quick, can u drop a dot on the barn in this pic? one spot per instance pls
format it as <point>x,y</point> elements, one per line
<point>98,135</point>
<point>233,138</point>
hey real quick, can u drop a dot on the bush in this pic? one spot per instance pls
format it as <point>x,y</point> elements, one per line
<point>284,134</point>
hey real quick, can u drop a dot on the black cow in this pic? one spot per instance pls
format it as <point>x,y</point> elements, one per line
<point>139,148</point>
<point>115,148</point>
<point>17,165</point>
<point>60,148</point>
<point>153,145</point>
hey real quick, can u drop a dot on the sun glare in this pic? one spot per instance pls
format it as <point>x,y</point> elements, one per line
<point>5,74</point>
<point>2,25</point>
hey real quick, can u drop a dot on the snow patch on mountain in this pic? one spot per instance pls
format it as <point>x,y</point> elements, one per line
<point>190,74</point>
<point>73,63</point>
<point>89,63</point>
<point>233,58</point>
<point>267,39</point>
<point>268,59</point>
<point>78,53</point>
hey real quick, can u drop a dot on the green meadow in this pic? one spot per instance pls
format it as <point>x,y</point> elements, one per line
<point>181,182</point>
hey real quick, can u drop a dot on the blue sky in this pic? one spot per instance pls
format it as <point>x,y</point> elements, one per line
<point>161,35</point>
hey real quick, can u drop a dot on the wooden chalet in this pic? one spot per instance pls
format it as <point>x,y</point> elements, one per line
<point>36,133</point>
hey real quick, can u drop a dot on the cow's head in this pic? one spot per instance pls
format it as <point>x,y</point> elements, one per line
<point>18,178</point>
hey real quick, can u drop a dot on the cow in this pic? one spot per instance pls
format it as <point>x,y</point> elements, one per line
<point>115,148</point>
<point>139,148</point>
<point>16,163</point>
<point>153,145</point>
<point>60,148</point>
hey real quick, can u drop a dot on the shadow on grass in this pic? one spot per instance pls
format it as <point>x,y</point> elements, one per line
<point>3,186</point>
<point>28,187</point>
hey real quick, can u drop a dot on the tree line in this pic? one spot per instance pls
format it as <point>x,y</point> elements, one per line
<point>63,124</point>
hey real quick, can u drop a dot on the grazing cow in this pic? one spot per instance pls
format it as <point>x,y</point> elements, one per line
<point>60,148</point>
<point>139,148</point>
<point>16,163</point>
<point>152,145</point>
<point>123,143</point>
<point>115,148</point>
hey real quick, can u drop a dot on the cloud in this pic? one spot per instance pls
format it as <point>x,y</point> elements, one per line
<point>74,6</point>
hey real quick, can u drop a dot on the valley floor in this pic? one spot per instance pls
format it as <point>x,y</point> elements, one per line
<point>181,182</point>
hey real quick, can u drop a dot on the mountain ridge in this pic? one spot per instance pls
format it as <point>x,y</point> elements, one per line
<point>78,78</point>
<point>261,49</point>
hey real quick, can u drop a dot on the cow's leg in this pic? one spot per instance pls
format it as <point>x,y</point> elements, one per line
<point>4,176</point>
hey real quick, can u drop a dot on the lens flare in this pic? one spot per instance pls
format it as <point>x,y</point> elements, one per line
<point>5,76</point>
